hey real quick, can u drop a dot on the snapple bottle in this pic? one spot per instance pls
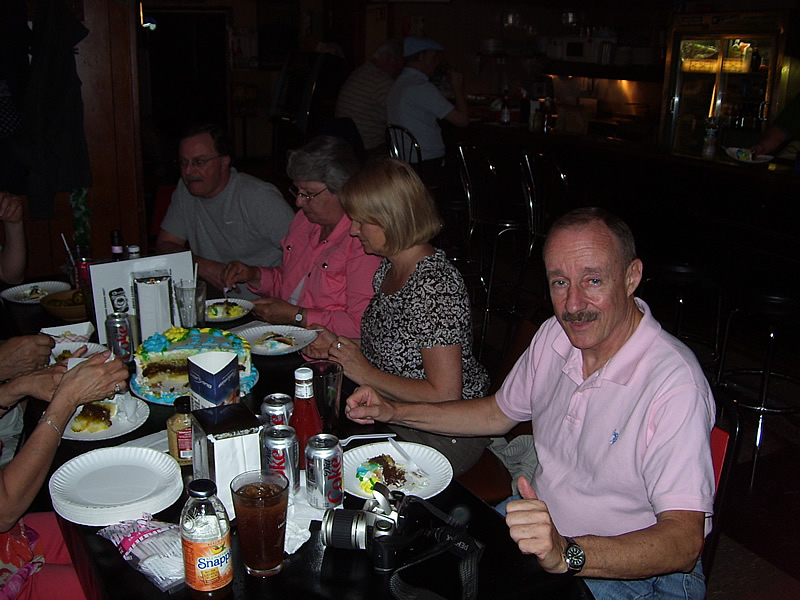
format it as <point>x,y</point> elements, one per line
<point>206,542</point>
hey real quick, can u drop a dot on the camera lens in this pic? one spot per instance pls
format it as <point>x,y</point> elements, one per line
<point>344,529</point>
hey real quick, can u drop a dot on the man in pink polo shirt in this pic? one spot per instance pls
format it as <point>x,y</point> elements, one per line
<point>621,415</point>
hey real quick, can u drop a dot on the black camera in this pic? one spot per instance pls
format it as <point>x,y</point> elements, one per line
<point>375,528</point>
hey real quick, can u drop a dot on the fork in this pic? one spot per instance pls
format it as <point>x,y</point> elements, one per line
<point>410,464</point>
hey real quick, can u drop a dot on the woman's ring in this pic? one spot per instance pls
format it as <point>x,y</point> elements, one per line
<point>117,389</point>
<point>338,345</point>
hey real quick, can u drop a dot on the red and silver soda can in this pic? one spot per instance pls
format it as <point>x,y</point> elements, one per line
<point>324,464</point>
<point>281,453</point>
<point>118,333</point>
<point>277,408</point>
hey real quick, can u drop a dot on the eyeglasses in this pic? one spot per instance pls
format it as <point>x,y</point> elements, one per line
<point>305,196</point>
<point>197,163</point>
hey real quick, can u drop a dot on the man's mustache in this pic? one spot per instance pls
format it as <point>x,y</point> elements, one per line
<point>582,316</point>
<point>193,178</point>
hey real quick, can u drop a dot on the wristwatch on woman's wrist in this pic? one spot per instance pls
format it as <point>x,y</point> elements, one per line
<point>298,318</point>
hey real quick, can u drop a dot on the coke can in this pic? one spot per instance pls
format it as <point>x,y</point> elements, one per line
<point>324,464</point>
<point>281,453</point>
<point>118,334</point>
<point>277,408</point>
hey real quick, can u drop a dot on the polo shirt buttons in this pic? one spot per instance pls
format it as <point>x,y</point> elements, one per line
<point>324,265</point>
<point>289,247</point>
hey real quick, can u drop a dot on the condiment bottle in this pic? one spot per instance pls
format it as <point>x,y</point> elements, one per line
<point>206,542</point>
<point>117,250</point>
<point>134,251</point>
<point>179,432</point>
<point>305,418</point>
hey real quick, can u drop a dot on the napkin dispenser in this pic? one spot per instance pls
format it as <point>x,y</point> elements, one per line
<point>226,443</point>
<point>153,301</point>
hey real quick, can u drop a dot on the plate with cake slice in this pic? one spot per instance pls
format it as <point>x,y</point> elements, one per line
<point>222,311</point>
<point>275,340</point>
<point>105,419</point>
<point>746,156</point>
<point>369,464</point>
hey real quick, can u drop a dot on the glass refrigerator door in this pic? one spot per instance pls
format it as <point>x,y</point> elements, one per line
<point>721,87</point>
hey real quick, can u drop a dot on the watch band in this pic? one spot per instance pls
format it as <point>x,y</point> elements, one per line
<point>574,556</point>
<point>298,318</point>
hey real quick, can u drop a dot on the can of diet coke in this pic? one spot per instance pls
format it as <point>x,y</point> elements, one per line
<point>280,453</point>
<point>277,408</point>
<point>324,463</point>
<point>118,334</point>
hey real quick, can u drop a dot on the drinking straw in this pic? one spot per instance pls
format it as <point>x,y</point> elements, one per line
<point>194,283</point>
<point>69,252</point>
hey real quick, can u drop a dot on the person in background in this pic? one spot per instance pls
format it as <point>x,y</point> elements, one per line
<point>34,561</point>
<point>363,96</point>
<point>621,414</point>
<point>415,344</point>
<point>416,104</point>
<point>785,127</point>
<point>14,252</point>
<point>222,215</point>
<point>325,277</point>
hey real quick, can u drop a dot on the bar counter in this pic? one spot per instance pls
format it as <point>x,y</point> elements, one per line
<point>737,210</point>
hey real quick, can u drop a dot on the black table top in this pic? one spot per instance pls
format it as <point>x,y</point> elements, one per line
<point>313,571</point>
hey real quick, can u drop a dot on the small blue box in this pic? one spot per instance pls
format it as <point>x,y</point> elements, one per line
<point>214,379</point>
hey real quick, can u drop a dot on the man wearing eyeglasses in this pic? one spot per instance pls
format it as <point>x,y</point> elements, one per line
<point>222,215</point>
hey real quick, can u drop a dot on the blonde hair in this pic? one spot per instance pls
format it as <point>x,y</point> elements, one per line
<point>390,194</point>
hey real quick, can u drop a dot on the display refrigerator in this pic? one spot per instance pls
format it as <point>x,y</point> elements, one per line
<point>723,80</point>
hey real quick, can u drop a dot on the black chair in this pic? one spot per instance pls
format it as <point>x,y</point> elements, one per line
<point>764,390</point>
<point>402,144</point>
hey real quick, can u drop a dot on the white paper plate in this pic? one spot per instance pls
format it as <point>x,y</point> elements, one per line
<point>20,293</point>
<point>109,485</point>
<point>756,160</point>
<point>119,424</point>
<point>73,346</point>
<point>245,304</point>
<point>427,458</point>
<point>302,338</point>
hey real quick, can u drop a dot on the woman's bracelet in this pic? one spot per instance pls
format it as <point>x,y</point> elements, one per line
<point>44,419</point>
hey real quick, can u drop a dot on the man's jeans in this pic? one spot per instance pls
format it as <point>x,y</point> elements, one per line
<point>676,586</point>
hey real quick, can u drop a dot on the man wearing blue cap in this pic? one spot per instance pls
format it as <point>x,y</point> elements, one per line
<point>416,104</point>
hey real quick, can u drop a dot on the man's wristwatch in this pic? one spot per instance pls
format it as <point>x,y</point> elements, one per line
<point>574,557</point>
<point>298,318</point>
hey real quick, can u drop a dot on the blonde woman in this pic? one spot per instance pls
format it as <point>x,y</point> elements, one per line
<point>416,333</point>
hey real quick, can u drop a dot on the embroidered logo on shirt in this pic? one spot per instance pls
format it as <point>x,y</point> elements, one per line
<point>614,437</point>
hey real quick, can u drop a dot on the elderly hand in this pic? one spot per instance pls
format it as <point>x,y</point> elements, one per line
<point>274,310</point>
<point>319,347</point>
<point>365,406</point>
<point>531,527</point>
<point>238,272</point>
<point>10,208</point>
<point>346,352</point>
<point>23,354</point>
<point>93,379</point>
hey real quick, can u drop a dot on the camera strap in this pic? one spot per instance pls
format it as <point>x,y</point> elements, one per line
<point>453,538</point>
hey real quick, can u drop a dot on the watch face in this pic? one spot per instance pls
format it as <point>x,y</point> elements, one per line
<point>574,557</point>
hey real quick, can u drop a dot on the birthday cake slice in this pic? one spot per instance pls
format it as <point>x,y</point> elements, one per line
<point>162,360</point>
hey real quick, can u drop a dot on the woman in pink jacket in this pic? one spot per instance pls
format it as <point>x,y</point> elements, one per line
<point>326,277</point>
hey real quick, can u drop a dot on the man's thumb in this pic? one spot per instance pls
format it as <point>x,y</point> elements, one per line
<point>525,489</point>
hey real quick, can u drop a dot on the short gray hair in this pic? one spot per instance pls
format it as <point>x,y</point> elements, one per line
<point>327,159</point>
<point>580,217</point>
<point>388,50</point>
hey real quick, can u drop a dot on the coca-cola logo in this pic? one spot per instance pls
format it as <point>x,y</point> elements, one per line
<point>278,419</point>
<point>277,463</point>
<point>123,340</point>
<point>333,473</point>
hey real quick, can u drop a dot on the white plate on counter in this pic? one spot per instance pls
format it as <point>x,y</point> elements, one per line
<point>109,485</point>
<point>759,159</point>
<point>31,293</point>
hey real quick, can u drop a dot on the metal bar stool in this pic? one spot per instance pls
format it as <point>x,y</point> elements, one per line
<point>763,391</point>
<point>402,144</point>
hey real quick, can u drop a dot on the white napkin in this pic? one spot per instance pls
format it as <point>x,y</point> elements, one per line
<point>76,332</point>
<point>298,518</point>
<point>156,441</point>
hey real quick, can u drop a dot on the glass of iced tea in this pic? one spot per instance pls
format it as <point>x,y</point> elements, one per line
<point>260,499</point>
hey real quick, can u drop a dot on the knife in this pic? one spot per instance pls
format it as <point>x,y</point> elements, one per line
<point>410,464</point>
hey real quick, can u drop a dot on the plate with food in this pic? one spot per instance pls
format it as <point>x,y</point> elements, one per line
<point>274,340</point>
<point>66,350</point>
<point>221,311</point>
<point>371,463</point>
<point>107,419</point>
<point>745,155</point>
<point>108,485</point>
<point>31,293</point>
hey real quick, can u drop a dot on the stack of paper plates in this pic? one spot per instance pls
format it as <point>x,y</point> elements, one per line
<point>109,485</point>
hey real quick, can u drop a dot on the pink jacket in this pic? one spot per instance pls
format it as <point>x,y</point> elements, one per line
<point>338,275</point>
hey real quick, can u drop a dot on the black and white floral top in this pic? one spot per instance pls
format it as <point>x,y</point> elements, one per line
<point>431,309</point>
